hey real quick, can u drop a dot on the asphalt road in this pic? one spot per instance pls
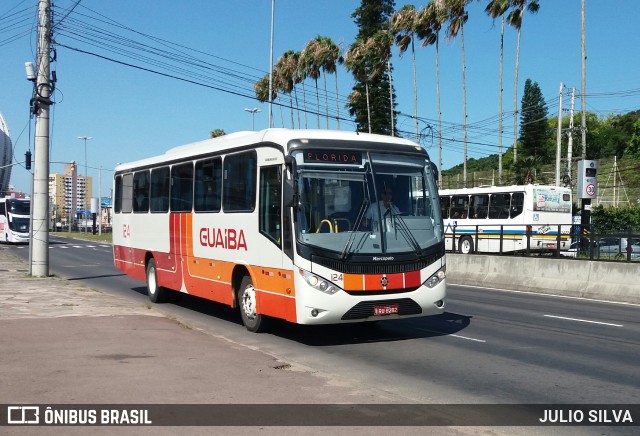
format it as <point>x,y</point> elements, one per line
<point>489,347</point>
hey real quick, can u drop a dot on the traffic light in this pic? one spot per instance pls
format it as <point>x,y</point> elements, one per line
<point>27,160</point>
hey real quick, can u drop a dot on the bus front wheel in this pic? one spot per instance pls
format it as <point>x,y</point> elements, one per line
<point>157,294</point>
<point>465,245</point>
<point>247,302</point>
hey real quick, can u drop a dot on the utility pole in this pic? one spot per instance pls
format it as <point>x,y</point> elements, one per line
<point>559,138</point>
<point>40,203</point>
<point>273,7</point>
<point>570,133</point>
<point>583,90</point>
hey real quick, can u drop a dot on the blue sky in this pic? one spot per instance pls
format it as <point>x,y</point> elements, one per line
<point>132,114</point>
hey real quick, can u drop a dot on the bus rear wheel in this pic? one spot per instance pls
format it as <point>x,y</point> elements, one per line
<point>157,294</point>
<point>465,245</point>
<point>247,302</point>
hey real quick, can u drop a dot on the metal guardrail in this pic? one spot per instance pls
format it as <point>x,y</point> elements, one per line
<point>583,243</point>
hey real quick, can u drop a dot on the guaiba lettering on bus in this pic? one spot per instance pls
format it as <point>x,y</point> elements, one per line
<point>230,239</point>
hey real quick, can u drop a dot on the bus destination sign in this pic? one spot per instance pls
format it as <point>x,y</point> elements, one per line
<point>333,157</point>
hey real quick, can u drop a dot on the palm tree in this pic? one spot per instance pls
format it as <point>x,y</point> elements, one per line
<point>457,17</point>
<point>380,51</point>
<point>402,26</point>
<point>431,18</point>
<point>283,78</point>
<point>299,78</point>
<point>330,60</point>
<point>515,20</point>
<point>525,170</point>
<point>355,60</point>
<point>261,88</point>
<point>495,9</point>
<point>309,60</point>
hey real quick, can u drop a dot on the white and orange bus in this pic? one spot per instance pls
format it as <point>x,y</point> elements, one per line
<point>274,222</point>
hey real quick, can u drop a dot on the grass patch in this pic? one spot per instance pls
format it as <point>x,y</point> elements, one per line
<point>105,237</point>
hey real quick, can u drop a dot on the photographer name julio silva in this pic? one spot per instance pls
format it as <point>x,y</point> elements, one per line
<point>600,416</point>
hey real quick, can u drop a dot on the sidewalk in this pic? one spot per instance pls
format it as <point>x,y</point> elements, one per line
<point>62,343</point>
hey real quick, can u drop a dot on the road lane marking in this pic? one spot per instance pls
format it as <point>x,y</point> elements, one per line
<point>450,334</point>
<point>584,320</point>
<point>468,339</point>
<point>544,294</point>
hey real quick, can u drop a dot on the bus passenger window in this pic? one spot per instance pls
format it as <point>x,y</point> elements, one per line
<point>117,200</point>
<point>445,204</point>
<point>517,202</point>
<point>182,187</point>
<point>239,181</point>
<point>499,206</point>
<point>141,191</point>
<point>208,186</point>
<point>127,193</point>
<point>480,206</point>
<point>159,191</point>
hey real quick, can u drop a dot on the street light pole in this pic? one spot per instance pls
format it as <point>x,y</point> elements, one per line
<point>84,198</point>
<point>253,116</point>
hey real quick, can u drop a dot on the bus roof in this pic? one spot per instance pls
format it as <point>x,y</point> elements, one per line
<point>278,136</point>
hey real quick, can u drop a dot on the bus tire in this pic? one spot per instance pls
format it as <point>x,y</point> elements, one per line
<point>157,294</point>
<point>247,303</point>
<point>465,245</point>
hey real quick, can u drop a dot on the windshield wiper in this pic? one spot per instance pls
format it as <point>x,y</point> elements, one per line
<point>347,248</point>
<point>406,233</point>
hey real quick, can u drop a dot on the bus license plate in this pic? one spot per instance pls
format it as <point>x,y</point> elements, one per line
<point>551,245</point>
<point>386,310</point>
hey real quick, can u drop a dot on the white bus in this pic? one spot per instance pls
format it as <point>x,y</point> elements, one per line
<point>14,220</point>
<point>504,219</point>
<point>273,222</point>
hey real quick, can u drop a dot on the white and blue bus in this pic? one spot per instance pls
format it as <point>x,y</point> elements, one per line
<point>14,220</point>
<point>496,219</point>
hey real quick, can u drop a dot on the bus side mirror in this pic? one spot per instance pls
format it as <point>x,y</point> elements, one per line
<point>290,185</point>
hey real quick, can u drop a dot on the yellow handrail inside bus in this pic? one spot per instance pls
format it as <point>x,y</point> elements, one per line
<point>328,223</point>
<point>335,223</point>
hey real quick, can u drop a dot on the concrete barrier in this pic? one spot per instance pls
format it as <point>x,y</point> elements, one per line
<point>611,281</point>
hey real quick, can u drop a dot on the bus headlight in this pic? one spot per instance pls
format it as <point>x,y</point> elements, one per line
<point>319,283</point>
<point>436,278</point>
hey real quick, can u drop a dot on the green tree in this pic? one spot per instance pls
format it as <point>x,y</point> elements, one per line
<point>633,150</point>
<point>367,60</point>
<point>534,128</point>
<point>371,17</point>
<point>607,220</point>
<point>216,132</point>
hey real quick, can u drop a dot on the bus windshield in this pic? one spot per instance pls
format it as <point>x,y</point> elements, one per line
<point>18,207</point>
<point>382,203</point>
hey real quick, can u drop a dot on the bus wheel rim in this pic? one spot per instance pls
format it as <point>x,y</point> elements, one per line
<point>151,279</point>
<point>249,302</point>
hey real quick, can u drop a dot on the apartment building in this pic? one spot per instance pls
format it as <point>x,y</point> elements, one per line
<point>69,194</point>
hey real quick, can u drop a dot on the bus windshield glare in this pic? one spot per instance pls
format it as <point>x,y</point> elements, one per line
<point>381,203</point>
